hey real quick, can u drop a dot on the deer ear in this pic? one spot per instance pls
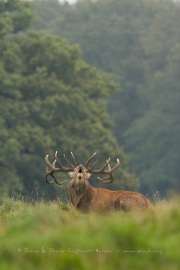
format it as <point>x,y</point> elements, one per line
<point>71,174</point>
<point>88,175</point>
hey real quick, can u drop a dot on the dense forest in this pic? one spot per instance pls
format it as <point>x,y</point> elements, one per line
<point>50,99</point>
<point>138,42</point>
<point>94,76</point>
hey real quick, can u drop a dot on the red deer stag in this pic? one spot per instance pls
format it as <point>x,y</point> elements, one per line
<point>87,198</point>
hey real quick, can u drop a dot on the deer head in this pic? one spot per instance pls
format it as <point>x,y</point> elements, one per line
<point>79,172</point>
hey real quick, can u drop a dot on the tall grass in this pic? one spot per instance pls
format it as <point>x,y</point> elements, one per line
<point>56,236</point>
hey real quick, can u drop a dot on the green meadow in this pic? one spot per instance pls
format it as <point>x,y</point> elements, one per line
<point>54,235</point>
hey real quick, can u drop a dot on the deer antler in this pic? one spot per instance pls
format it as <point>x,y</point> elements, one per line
<point>60,169</point>
<point>103,170</point>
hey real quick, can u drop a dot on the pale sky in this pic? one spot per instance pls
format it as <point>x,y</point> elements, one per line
<point>69,1</point>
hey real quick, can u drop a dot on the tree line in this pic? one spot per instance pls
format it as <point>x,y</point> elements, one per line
<point>50,99</point>
<point>137,42</point>
<point>94,76</point>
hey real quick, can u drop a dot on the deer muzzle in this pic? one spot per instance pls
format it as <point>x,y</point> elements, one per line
<point>80,171</point>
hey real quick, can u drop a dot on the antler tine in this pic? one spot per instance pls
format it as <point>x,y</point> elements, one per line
<point>47,174</point>
<point>89,159</point>
<point>64,169</point>
<point>68,162</point>
<point>102,170</point>
<point>110,177</point>
<point>114,168</point>
<point>54,178</point>
<point>52,166</point>
<point>53,169</point>
<point>74,159</point>
<point>93,165</point>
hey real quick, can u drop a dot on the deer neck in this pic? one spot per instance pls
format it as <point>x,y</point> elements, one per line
<point>81,195</point>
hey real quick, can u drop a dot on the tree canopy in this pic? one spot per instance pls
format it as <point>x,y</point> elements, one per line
<point>137,41</point>
<point>50,99</point>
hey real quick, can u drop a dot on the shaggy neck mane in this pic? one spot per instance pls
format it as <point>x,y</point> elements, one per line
<point>81,195</point>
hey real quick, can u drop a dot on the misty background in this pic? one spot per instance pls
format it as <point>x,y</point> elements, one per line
<point>93,76</point>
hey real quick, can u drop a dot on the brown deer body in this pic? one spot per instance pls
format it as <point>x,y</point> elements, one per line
<point>87,198</point>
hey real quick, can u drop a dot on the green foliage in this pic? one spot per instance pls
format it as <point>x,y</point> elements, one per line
<point>109,33</point>
<point>159,126</point>
<point>50,100</point>
<point>67,239</point>
<point>15,16</point>
<point>137,41</point>
<point>161,121</point>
